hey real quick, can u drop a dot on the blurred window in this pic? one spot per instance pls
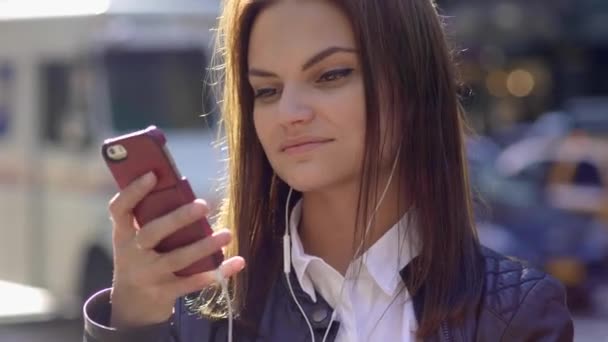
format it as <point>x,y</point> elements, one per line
<point>587,174</point>
<point>64,105</point>
<point>7,85</point>
<point>164,87</point>
<point>54,97</point>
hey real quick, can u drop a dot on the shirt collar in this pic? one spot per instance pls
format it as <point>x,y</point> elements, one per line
<point>391,253</point>
<point>383,260</point>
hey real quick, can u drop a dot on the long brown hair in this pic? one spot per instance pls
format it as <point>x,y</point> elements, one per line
<point>409,76</point>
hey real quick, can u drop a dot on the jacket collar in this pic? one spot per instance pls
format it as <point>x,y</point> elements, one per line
<point>418,296</point>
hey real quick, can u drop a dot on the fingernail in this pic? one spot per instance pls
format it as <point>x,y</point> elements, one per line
<point>195,210</point>
<point>148,178</point>
<point>201,201</point>
<point>223,231</point>
<point>223,237</point>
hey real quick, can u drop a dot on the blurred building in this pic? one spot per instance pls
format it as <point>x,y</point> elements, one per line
<point>73,73</point>
<point>523,58</point>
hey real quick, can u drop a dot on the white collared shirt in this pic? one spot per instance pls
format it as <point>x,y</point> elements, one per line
<point>375,305</point>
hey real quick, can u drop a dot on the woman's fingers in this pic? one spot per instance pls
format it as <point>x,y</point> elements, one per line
<point>184,256</point>
<point>232,266</point>
<point>154,232</point>
<point>183,286</point>
<point>121,206</point>
<point>144,285</point>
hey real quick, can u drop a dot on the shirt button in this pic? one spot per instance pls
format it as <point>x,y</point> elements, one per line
<point>319,315</point>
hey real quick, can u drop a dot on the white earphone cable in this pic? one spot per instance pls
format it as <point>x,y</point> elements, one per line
<point>287,265</point>
<point>219,277</point>
<point>367,227</point>
<point>287,254</point>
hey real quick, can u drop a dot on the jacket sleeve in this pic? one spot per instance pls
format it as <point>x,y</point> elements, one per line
<point>97,320</point>
<point>543,315</point>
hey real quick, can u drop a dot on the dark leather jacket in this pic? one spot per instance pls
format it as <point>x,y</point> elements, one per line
<point>517,304</point>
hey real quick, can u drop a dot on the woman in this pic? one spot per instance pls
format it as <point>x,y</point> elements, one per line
<point>344,116</point>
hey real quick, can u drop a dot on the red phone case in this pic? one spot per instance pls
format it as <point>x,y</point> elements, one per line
<point>145,151</point>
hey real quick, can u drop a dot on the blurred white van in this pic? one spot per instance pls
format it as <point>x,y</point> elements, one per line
<point>73,73</point>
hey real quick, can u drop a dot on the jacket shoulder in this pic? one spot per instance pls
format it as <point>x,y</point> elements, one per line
<point>507,283</point>
<point>510,282</point>
<point>522,303</point>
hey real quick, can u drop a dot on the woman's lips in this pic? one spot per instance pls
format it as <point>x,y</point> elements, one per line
<point>304,146</point>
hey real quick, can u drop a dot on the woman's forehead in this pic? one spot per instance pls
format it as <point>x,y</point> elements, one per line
<point>288,29</point>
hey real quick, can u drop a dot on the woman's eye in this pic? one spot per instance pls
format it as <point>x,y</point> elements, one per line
<point>265,92</point>
<point>334,75</point>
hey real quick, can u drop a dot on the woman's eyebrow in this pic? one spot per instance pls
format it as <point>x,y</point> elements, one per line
<point>324,54</point>
<point>261,73</point>
<point>318,57</point>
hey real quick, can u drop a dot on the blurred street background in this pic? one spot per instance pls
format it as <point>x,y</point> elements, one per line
<point>535,88</point>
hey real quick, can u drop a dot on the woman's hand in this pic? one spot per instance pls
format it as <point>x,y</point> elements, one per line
<point>144,286</point>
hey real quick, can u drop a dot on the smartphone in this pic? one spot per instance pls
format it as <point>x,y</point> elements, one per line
<point>132,155</point>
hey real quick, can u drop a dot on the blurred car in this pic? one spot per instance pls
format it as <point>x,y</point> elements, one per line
<point>550,194</point>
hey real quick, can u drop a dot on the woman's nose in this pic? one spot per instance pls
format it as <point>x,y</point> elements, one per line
<point>294,107</point>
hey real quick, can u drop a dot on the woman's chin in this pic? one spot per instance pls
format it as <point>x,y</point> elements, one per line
<point>304,184</point>
<point>311,182</point>
<point>304,187</point>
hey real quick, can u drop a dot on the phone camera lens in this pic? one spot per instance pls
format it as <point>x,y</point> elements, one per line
<point>116,152</point>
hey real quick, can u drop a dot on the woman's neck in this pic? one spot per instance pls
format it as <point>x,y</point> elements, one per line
<point>327,226</point>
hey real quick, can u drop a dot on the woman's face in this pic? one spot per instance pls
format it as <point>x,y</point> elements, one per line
<point>309,109</point>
